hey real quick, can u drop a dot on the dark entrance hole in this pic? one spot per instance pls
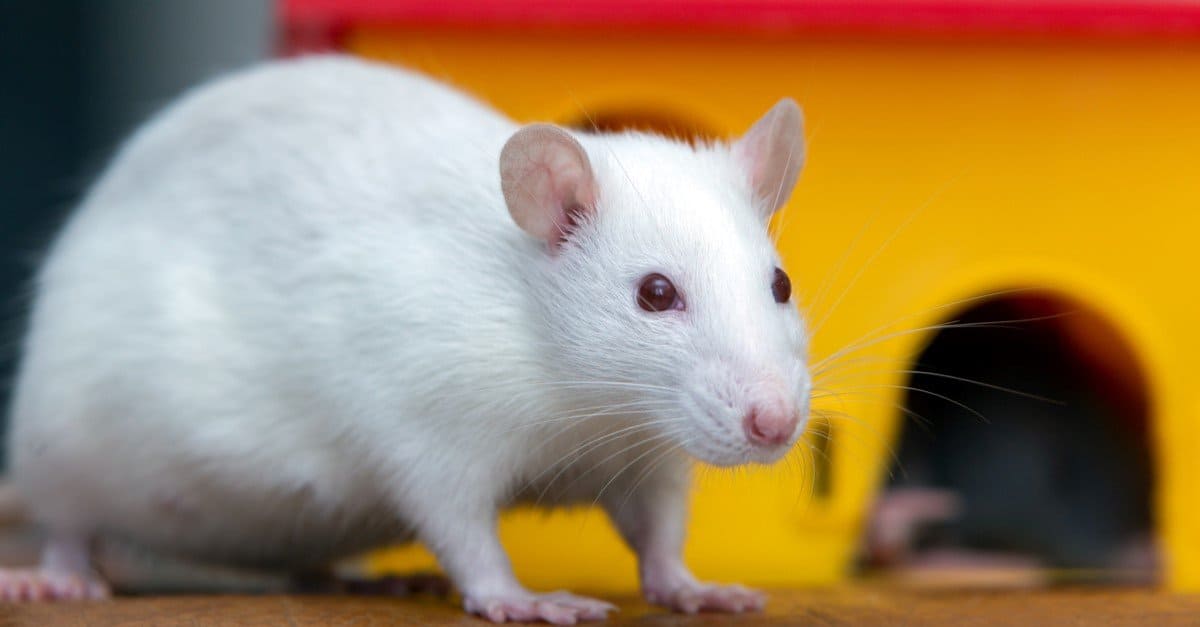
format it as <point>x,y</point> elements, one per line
<point>1021,489</point>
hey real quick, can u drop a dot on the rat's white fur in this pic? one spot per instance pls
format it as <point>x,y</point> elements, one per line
<point>294,321</point>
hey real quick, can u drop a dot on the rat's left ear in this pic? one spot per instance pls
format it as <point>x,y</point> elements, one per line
<point>547,182</point>
<point>772,152</point>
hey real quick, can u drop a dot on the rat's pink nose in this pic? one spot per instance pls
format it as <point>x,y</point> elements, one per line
<point>770,426</point>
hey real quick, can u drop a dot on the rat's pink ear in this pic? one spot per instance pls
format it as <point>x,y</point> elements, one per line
<point>772,152</point>
<point>547,181</point>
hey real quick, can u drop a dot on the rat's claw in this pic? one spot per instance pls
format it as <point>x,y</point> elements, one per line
<point>559,608</point>
<point>691,598</point>
<point>588,609</point>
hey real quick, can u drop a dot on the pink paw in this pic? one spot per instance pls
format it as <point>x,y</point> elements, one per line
<point>38,585</point>
<point>558,608</point>
<point>690,598</point>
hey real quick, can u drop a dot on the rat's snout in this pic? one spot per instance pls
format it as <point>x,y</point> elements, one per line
<point>748,414</point>
<point>770,425</point>
<point>773,418</point>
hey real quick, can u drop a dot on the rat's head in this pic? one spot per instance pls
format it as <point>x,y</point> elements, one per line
<point>660,287</point>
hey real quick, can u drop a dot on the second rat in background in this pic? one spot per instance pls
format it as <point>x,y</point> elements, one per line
<point>325,306</point>
<point>1038,465</point>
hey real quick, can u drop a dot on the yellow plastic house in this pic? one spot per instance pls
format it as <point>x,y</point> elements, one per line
<point>958,152</point>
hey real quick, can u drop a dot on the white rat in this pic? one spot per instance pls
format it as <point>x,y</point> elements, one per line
<point>324,306</point>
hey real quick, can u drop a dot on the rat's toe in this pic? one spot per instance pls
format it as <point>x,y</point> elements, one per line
<point>30,584</point>
<point>558,608</point>
<point>698,597</point>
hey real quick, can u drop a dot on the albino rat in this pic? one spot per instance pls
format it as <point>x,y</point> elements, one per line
<point>325,306</point>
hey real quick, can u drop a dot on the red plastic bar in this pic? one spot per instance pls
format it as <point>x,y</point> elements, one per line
<point>993,17</point>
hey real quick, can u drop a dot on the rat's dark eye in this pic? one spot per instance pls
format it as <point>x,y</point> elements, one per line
<point>781,287</point>
<point>657,293</point>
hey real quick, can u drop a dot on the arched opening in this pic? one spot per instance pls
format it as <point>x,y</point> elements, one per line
<point>1026,457</point>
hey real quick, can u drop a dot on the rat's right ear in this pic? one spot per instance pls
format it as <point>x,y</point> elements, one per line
<point>547,181</point>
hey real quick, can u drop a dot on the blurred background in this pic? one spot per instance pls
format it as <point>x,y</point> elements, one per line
<point>79,76</point>
<point>993,240</point>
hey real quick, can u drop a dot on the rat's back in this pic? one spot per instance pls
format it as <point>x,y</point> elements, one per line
<point>231,291</point>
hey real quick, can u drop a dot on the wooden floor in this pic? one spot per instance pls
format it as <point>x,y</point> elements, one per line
<point>862,605</point>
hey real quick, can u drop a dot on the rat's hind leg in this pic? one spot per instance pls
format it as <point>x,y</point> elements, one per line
<point>65,574</point>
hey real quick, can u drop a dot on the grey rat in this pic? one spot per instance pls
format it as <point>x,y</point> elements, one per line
<point>1058,469</point>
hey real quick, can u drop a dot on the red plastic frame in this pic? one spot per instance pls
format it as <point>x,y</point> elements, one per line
<point>1179,18</point>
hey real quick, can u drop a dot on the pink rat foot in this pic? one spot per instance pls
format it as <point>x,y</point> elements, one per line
<point>40,585</point>
<point>559,608</point>
<point>694,597</point>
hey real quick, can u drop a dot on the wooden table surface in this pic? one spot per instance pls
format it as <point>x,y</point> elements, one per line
<point>856,605</point>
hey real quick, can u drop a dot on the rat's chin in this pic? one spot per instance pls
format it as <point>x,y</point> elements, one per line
<point>722,453</point>
<point>751,458</point>
<point>766,457</point>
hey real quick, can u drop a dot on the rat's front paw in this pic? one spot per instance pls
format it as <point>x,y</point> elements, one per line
<point>42,585</point>
<point>693,597</point>
<point>559,608</point>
